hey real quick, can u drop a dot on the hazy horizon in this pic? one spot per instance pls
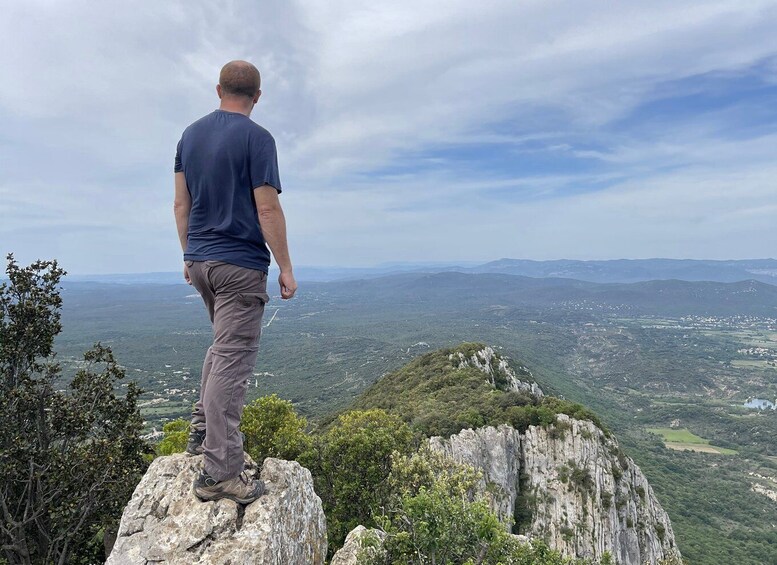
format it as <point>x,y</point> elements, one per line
<point>400,265</point>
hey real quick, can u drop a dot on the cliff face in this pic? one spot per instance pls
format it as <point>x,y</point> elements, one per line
<point>589,497</point>
<point>496,453</point>
<point>165,523</point>
<point>570,485</point>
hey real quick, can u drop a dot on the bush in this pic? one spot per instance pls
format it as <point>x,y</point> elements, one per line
<point>273,429</point>
<point>434,515</point>
<point>350,463</point>
<point>175,438</point>
<point>71,454</point>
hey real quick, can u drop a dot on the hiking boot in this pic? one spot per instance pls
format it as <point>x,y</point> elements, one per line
<point>241,489</point>
<point>196,439</point>
<point>194,445</point>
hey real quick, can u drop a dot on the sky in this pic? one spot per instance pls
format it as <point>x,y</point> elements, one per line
<point>407,131</point>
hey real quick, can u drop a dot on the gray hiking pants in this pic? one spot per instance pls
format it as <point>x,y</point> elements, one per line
<point>235,299</point>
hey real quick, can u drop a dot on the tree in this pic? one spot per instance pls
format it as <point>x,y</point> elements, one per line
<point>70,454</point>
<point>273,429</point>
<point>350,463</point>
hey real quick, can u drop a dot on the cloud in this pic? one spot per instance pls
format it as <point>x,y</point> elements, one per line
<point>407,130</point>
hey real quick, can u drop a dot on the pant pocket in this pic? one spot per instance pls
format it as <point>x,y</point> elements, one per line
<point>248,316</point>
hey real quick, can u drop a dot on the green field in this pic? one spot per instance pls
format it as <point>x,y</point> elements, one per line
<point>753,364</point>
<point>682,439</point>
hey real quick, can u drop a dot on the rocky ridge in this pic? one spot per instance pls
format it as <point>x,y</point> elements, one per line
<point>165,523</point>
<point>569,484</point>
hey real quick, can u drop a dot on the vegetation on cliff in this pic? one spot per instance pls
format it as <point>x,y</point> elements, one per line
<point>438,395</point>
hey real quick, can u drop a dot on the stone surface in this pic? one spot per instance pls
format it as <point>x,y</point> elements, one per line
<point>165,523</point>
<point>349,553</point>
<point>493,451</point>
<point>494,366</point>
<point>590,497</point>
<point>586,496</point>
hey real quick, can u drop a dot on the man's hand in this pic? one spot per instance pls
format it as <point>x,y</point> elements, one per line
<point>186,274</point>
<point>288,284</point>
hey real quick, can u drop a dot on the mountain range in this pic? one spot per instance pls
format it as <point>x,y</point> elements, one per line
<point>609,271</point>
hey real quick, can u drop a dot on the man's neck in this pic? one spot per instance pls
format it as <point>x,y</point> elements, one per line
<point>239,107</point>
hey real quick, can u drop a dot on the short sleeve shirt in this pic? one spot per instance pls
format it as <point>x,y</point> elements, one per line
<point>224,157</point>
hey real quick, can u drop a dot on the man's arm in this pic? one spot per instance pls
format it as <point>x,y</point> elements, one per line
<point>182,205</point>
<point>273,224</point>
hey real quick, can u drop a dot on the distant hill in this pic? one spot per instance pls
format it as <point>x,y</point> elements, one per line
<point>453,290</point>
<point>613,271</point>
<point>637,270</point>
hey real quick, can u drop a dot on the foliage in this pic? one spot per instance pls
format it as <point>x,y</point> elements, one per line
<point>436,396</point>
<point>273,429</point>
<point>69,459</point>
<point>350,463</point>
<point>175,439</point>
<point>434,515</point>
<point>427,469</point>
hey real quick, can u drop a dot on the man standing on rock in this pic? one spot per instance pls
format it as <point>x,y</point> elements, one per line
<point>227,212</point>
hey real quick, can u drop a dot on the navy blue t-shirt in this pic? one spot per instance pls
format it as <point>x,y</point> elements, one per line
<point>224,157</point>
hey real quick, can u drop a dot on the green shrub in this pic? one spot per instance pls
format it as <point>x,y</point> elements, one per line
<point>175,438</point>
<point>350,464</point>
<point>70,453</point>
<point>435,516</point>
<point>273,429</point>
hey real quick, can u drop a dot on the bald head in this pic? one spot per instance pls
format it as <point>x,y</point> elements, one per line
<point>240,78</point>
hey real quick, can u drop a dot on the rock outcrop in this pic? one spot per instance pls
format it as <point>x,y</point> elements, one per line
<point>571,485</point>
<point>498,370</point>
<point>165,523</point>
<point>590,497</point>
<point>495,452</point>
<point>349,553</point>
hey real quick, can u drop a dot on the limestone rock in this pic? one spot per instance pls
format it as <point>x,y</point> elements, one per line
<point>349,553</point>
<point>590,497</point>
<point>498,371</point>
<point>584,495</point>
<point>494,452</point>
<point>165,523</point>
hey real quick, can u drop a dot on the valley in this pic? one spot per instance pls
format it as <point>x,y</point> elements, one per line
<point>667,365</point>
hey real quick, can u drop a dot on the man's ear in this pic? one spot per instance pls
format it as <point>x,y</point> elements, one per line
<point>218,91</point>
<point>258,94</point>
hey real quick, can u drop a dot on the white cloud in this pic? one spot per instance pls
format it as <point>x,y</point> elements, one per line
<point>96,95</point>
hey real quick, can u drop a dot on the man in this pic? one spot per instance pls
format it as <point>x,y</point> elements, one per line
<point>227,212</point>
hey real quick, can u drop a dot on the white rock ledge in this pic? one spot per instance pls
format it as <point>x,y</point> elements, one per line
<point>165,523</point>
